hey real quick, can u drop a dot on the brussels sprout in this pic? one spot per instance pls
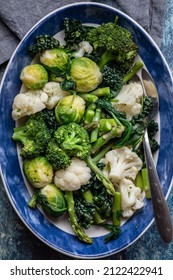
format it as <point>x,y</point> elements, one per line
<point>70,109</point>
<point>55,60</point>
<point>52,200</point>
<point>34,76</point>
<point>38,171</point>
<point>86,74</point>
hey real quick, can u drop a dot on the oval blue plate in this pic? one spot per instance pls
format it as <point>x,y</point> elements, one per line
<point>11,173</point>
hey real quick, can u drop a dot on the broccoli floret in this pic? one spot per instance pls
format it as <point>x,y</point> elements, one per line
<point>115,43</point>
<point>56,156</point>
<point>34,135</point>
<point>74,140</point>
<point>43,42</point>
<point>75,32</point>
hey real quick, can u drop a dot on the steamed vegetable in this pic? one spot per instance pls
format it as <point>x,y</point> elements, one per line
<point>43,42</point>
<point>56,156</point>
<point>55,60</point>
<point>85,73</point>
<point>81,138</point>
<point>121,163</point>
<point>70,109</point>
<point>38,171</point>
<point>74,176</point>
<point>34,76</point>
<point>115,44</point>
<point>34,137</point>
<point>51,199</point>
<point>74,140</point>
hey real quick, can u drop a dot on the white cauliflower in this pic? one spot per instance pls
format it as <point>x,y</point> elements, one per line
<point>84,47</point>
<point>121,163</point>
<point>132,198</point>
<point>74,176</point>
<point>54,93</point>
<point>128,100</point>
<point>31,102</point>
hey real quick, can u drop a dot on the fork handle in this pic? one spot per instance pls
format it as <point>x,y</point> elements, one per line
<point>160,208</point>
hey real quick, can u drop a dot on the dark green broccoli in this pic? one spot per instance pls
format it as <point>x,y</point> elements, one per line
<point>56,156</point>
<point>115,44</point>
<point>74,140</point>
<point>43,42</point>
<point>34,135</point>
<point>75,32</point>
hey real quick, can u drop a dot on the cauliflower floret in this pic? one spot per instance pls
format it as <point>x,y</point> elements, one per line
<point>132,198</point>
<point>74,176</point>
<point>121,163</point>
<point>84,47</point>
<point>128,100</point>
<point>54,93</point>
<point>31,102</point>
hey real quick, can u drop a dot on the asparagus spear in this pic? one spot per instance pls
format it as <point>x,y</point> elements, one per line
<point>79,231</point>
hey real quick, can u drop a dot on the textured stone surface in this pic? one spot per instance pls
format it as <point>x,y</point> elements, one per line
<point>16,242</point>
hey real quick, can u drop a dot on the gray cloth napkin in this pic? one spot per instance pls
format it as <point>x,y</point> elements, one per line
<point>17,17</point>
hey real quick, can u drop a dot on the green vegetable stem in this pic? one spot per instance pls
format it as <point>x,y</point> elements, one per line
<point>79,231</point>
<point>95,131</point>
<point>116,209</point>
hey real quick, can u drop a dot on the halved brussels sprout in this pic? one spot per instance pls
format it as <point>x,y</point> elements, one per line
<point>86,74</point>
<point>55,60</point>
<point>52,200</point>
<point>38,171</point>
<point>34,76</point>
<point>70,109</point>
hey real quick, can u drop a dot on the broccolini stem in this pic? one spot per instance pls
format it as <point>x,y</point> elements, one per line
<point>127,132</point>
<point>102,152</point>
<point>101,91</point>
<point>79,231</point>
<point>100,176</point>
<point>89,113</point>
<point>145,181</point>
<point>116,209</point>
<point>137,66</point>
<point>105,58</point>
<point>95,131</point>
<point>91,126</point>
<point>33,200</point>
<point>88,97</point>
<point>102,140</point>
<point>106,125</point>
<point>138,180</point>
<point>88,196</point>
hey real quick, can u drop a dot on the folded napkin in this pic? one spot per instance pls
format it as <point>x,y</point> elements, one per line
<point>17,17</point>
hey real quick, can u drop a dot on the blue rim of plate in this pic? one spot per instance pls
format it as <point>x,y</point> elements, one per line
<point>9,164</point>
